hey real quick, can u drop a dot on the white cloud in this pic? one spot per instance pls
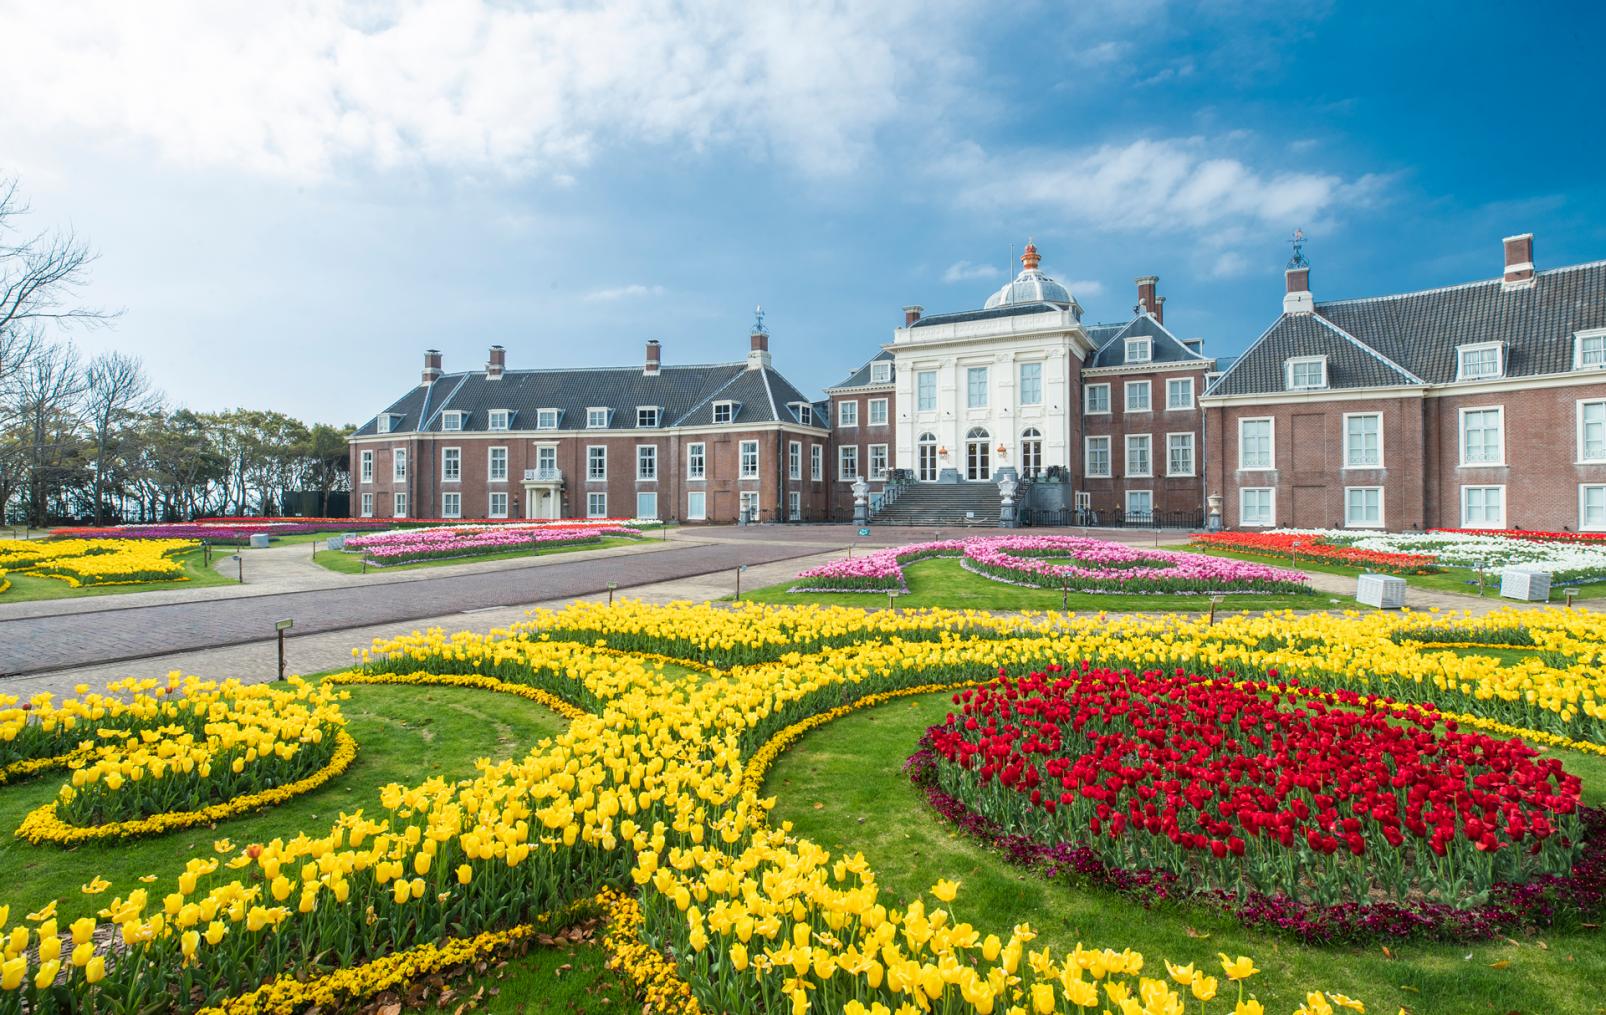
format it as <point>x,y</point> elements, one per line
<point>966,271</point>
<point>624,292</point>
<point>302,88</point>
<point>1087,288</point>
<point>1229,265</point>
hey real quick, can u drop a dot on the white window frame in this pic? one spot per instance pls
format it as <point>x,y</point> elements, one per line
<point>646,463</point>
<point>382,423</point>
<point>971,388</point>
<point>746,470</point>
<point>872,415</point>
<point>805,414</point>
<point>1171,404</point>
<point>749,500</point>
<point>1584,524</point>
<point>498,419</point>
<point>1592,337</point>
<point>451,504</point>
<point>1126,501</point>
<point>1463,351</point>
<point>490,504</point>
<point>794,506</point>
<point>816,462</point>
<point>398,465</point>
<point>724,408</point>
<point>547,419</point>
<point>847,413</point>
<point>490,465</point>
<point>647,417</point>
<point>697,460</point>
<point>1138,350</point>
<point>399,505</point>
<point>593,499</point>
<point>647,493</point>
<point>920,391</point>
<point>870,464</point>
<point>845,454</point>
<point>597,417</point>
<point>1087,400</point>
<point>454,474</point>
<point>881,372</point>
<point>794,459</point>
<point>548,452</point>
<point>365,466</point>
<point>1582,447</point>
<point>1271,507</point>
<point>593,476</point>
<point>1037,382</point>
<point>1349,519</point>
<point>1193,464</point>
<point>1499,460</point>
<point>452,421</point>
<point>699,513</point>
<point>1148,396</point>
<point>1466,523</point>
<point>1087,457</point>
<point>1348,450</point>
<point>1271,444</point>
<point>1304,361</point>
<point>1146,442</point>
<point>368,505</point>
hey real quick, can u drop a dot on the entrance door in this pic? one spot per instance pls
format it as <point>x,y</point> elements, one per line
<point>926,459</point>
<point>978,456</point>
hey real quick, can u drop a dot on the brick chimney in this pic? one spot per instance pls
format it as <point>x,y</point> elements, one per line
<point>758,353</point>
<point>497,364</point>
<point>911,315</point>
<point>432,367</point>
<point>1148,302</point>
<point>1519,260</point>
<point>1297,298</point>
<point>650,368</point>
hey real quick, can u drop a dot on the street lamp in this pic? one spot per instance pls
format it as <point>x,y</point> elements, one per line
<point>239,559</point>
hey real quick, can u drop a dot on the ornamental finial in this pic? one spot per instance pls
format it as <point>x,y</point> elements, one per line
<point>1298,243</point>
<point>1028,258</point>
<point>758,321</point>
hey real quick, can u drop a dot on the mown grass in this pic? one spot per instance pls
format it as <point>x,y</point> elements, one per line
<point>843,787</point>
<point>941,581</point>
<point>403,734</point>
<point>547,980</point>
<point>351,563</point>
<point>30,588</point>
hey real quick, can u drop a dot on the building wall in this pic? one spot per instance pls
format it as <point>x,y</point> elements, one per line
<point>861,437</point>
<point>1170,493</point>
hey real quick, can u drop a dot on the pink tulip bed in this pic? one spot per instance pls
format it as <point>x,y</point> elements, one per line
<point>1055,562</point>
<point>407,546</point>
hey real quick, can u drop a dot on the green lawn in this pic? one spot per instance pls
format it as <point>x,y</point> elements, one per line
<point>27,588</point>
<point>1457,580</point>
<point>403,734</point>
<point>351,563</point>
<point>843,787</point>
<point>567,977</point>
<point>941,581</point>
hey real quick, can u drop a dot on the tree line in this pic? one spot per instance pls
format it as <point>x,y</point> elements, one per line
<point>93,440</point>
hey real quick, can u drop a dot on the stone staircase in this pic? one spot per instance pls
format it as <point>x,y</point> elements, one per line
<point>942,504</point>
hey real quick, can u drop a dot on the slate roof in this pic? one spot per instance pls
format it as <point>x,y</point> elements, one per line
<point>1009,310</point>
<point>1411,338</point>
<point>685,394</point>
<point>860,378</point>
<point>1164,347</point>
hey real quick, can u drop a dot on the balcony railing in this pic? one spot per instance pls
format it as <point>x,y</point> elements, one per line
<point>543,475</point>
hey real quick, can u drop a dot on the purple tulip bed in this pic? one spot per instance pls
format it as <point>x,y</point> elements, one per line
<point>407,546</point>
<point>1056,562</point>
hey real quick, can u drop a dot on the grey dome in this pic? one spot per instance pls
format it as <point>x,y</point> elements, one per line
<point>1031,286</point>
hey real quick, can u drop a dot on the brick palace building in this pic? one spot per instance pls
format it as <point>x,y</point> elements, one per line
<point>1420,410</point>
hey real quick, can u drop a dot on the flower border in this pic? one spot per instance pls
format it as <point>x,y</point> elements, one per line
<point>469,680</point>
<point>41,826</point>
<point>28,767</point>
<point>657,980</point>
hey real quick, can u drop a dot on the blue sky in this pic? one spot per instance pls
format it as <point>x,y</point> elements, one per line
<point>292,201</point>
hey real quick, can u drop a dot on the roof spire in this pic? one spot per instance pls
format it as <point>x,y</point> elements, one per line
<point>1028,258</point>
<point>1298,243</point>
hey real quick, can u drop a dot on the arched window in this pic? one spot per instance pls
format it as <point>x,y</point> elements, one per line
<point>926,458</point>
<point>978,455</point>
<point>1031,452</point>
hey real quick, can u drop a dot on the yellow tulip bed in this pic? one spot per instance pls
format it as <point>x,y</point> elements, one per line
<point>651,797</point>
<point>81,562</point>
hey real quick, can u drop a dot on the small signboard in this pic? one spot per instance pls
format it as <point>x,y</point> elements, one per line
<point>283,625</point>
<point>864,531</point>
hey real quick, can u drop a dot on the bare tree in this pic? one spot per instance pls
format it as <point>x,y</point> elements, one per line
<point>117,394</point>
<point>44,402</point>
<point>40,274</point>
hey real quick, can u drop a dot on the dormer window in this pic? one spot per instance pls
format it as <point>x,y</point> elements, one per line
<point>646,416</point>
<point>804,412</point>
<point>881,372</point>
<point>1479,362</point>
<point>451,420</point>
<point>498,419</point>
<point>385,422</point>
<point>597,417</point>
<point>546,419</point>
<point>1590,351</point>
<point>724,412</point>
<point>1306,373</point>
<point>1139,350</point>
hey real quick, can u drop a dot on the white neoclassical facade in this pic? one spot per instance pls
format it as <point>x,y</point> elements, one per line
<point>980,390</point>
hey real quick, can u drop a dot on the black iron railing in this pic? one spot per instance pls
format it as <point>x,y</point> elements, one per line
<point>1089,518</point>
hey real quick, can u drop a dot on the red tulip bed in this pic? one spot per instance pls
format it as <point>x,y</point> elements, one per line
<point>1297,546</point>
<point>1328,814</point>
